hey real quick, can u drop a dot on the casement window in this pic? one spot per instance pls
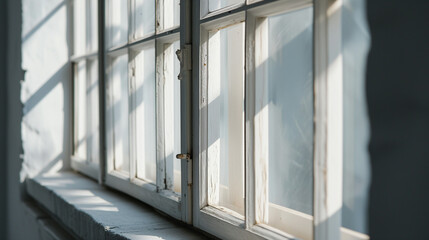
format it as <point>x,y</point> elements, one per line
<point>253,109</point>
<point>143,101</point>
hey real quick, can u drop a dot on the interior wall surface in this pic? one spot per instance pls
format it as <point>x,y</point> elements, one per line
<point>398,101</point>
<point>3,116</point>
<point>38,113</point>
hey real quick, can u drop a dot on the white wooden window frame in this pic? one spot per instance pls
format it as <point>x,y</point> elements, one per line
<point>153,194</point>
<point>84,166</point>
<point>326,222</point>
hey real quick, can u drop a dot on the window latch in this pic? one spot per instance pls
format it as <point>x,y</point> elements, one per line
<point>187,157</point>
<point>183,156</point>
<point>185,58</point>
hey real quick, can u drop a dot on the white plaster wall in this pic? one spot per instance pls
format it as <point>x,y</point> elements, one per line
<point>38,114</point>
<point>45,91</point>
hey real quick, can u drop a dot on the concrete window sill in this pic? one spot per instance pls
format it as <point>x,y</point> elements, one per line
<point>90,211</point>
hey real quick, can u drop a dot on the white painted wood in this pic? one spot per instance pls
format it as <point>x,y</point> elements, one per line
<point>224,225</point>
<point>298,224</point>
<point>213,134</point>
<point>250,186</point>
<point>91,170</point>
<point>347,234</point>
<point>166,201</point>
<point>328,120</point>
<point>203,121</point>
<point>160,143</point>
<point>261,122</point>
<point>132,115</point>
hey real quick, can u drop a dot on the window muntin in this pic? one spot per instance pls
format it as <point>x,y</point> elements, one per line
<point>219,4</point>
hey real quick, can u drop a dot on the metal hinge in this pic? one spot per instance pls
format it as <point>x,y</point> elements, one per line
<point>185,58</point>
<point>187,157</point>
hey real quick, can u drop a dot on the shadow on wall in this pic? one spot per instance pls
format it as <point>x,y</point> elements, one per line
<point>46,121</point>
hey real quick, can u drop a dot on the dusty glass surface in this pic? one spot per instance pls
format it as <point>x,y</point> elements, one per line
<point>92,108</point>
<point>117,23</point>
<point>119,104</point>
<point>226,118</point>
<point>290,110</point>
<point>144,95</point>
<point>171,14</point>
<point>143,18</point>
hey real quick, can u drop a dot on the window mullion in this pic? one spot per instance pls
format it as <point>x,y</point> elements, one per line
<point>328,120</point>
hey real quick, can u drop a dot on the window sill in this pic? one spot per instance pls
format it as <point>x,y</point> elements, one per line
<point>90,211</point>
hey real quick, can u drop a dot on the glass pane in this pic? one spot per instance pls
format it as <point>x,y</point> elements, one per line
<point>93,131</point>
<point>171,13</point>
<point>117,20</point>
<point>172,116</point>
<point>144,18</point>
<point>119,86</point>
<point>80,110</point>
<point>145,114</point>
<point>226,118</point>
<point>92,29</point>
<point>356,133</point>
<point>79,26</point>
<point>218,4</point>
<point>289,111</point>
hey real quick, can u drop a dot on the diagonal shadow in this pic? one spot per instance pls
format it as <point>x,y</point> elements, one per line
<point>42,22</point>
<point>44,89</point>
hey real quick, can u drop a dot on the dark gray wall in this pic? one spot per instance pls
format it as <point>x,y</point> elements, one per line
<point>17,228</point>
<point>3,116</point>
<point>398,101</point>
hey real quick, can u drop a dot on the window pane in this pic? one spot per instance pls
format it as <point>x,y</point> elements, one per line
<point>119,88</point>
<point>80,110</point>
<point>171,13</point>
<point>290,110</point>
<point>172,116</point>
<point>86,111</point>
<point>117,22</point>
<point>218,4</point>
<point>226,118</point>
<point>79,26</point>
<point>92,30</point>
<point>145,114</point>
<point>144,18</point>
<point>93,130</point>
<point>284,112</point>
